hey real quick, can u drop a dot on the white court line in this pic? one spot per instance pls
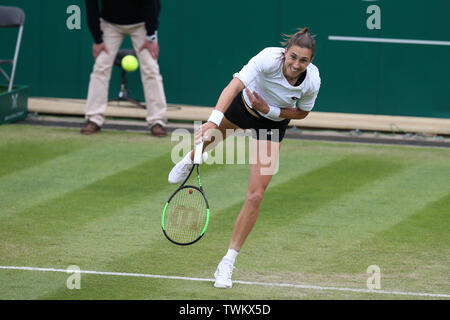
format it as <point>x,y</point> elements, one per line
<point>388,40</point>
<point>269,284</point>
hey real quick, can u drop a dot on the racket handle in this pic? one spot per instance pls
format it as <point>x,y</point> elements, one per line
<point>198,153</point>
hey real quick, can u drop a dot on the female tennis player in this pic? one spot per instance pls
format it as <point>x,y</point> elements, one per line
<point>277,85</point>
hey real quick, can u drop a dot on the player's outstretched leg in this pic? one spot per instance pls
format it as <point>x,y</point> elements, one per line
<point>260,177</point>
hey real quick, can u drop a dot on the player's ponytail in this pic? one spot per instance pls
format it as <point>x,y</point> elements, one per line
<point>304,30</point>
<point>301,38</point>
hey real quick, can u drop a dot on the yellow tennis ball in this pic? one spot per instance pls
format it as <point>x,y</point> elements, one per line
<point>129,63</point>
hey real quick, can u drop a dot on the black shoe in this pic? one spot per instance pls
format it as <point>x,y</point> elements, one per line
<point>158,130</point>
<point>90,128</point>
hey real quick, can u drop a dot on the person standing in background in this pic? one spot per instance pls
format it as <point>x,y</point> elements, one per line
<point>108,24</point>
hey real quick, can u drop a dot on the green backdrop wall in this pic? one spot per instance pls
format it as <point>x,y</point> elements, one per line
<point>203,42</point>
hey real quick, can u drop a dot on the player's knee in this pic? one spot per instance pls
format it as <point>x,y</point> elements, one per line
<point>255,197</point>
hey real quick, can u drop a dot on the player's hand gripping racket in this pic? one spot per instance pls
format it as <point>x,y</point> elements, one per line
<point>186,213</point>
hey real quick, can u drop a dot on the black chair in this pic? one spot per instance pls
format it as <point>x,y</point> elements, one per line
<point>124,94</point>
<point>11,17</point>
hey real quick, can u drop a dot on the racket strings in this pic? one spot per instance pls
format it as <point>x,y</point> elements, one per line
<point>186,216</point>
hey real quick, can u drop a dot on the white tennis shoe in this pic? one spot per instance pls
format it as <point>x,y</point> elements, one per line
<point>181,170</point>
<point>223,274</point>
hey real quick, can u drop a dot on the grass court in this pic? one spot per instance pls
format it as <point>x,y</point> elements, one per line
<point>331,211</point>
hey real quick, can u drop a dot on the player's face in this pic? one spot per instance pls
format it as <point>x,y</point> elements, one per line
<point>296,61</point>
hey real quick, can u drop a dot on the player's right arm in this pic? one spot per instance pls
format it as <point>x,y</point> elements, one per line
<point>226,97</point>
<point>228,94</point>
<point>262,62</point>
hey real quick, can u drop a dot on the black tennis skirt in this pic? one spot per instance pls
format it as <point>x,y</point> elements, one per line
<point>261,128</point>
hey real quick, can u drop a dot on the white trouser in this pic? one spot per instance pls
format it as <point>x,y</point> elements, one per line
<point>97,99</point>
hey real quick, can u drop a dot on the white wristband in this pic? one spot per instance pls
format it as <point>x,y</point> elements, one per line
<point>274,112</point>
<point>216,117</point>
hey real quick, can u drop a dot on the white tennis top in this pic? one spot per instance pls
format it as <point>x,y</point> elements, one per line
<point>264,74</point>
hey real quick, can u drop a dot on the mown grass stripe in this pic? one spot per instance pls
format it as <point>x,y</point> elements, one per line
<point>51,179</point>
<point>304,194</point>
<point>17,156</point>
<point>427,227</point>
<point>368,212</point>
<point>295,216</point>
<point>77,208</point>
<point>414,251</point>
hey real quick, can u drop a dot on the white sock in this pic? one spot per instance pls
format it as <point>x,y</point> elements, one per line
<point>231,255</point>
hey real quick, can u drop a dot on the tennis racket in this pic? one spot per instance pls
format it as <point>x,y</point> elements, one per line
<point>186,214</point>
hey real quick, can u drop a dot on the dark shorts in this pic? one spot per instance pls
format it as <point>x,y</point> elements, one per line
<point>262,128</point>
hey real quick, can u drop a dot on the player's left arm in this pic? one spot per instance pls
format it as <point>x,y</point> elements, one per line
<point>293,113</point>
<point>259,104</point>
